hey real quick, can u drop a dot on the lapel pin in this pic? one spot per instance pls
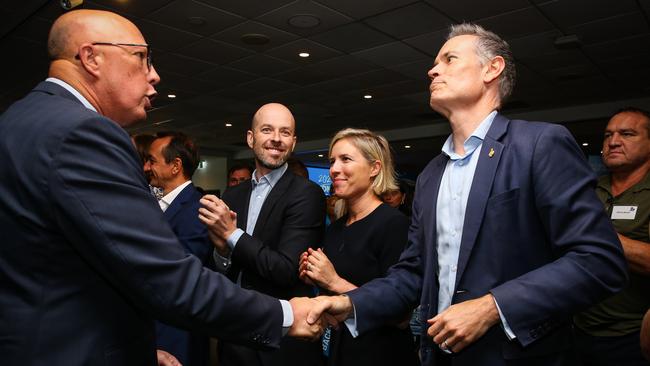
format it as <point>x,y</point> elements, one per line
<point>491,153</point>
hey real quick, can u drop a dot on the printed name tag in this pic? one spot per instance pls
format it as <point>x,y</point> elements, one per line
<point>624,212</point>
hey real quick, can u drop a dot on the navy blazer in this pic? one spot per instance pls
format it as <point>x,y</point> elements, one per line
<point>190,348</point>
<point>535,236</point>
<point>183,218</point>
<point>87,260</point>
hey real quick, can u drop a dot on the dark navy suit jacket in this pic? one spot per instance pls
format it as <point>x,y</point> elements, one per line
<point>87,260</point>
<point>190,348</point>
<point>535,236</point>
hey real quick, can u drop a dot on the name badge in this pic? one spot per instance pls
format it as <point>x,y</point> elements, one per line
<point>624,212</point>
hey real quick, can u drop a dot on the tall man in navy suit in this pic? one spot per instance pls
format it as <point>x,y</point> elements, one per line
<point>507,238</point>
<point>87,260</point>
<point>173,157</point>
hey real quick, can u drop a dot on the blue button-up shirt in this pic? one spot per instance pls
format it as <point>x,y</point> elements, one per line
<point>452,202</point>
<point>261,189</point>
<point>450,211</point>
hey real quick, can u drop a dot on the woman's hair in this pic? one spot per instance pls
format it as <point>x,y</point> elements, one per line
<point>373,147</point>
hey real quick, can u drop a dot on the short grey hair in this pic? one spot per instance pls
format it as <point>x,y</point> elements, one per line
<point>488,46</point>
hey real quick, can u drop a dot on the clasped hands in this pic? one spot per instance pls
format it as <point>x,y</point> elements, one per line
<point>220,221</point>
<point>312,315</point>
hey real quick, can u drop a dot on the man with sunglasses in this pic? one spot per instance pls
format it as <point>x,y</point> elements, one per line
<point>87,260</point>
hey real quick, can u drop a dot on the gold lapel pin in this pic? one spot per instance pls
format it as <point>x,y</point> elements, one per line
<point>491,153</point>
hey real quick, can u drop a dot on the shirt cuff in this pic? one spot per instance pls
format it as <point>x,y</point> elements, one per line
<point>351,323</point>
<point>504,323</point>
<point>287,316</point>
<point>234,237</point>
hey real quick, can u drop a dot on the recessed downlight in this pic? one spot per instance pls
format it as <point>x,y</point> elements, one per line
<point>407,146</point>
<point>255,39</point>
<point>304,54</point>
<point>367,96</point>
<point>304,21</point>
<point>228,124</point>
<point>171,96</point>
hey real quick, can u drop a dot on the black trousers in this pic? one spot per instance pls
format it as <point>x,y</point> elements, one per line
<point>609,351</point>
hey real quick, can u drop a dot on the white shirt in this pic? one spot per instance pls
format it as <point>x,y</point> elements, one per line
<point>167,199</point>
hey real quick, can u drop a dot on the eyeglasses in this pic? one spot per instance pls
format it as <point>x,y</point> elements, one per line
<point>146,56</point>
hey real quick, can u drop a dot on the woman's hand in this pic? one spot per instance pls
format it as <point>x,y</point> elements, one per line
<point>302,269</point>
<point>316,267</point>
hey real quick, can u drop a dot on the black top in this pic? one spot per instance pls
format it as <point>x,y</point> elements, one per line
<point>361,252</point>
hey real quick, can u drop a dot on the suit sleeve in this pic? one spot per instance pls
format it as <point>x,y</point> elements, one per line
<point>103,206</point>
<point>590,263</point>
<point>302,228</point>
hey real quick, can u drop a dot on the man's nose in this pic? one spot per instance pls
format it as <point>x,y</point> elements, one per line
<point>433,72</point>
<point>614,139</point>
<point>153,76</point>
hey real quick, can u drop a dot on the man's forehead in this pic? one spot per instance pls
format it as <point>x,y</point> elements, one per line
<point>628,120</point>
<point>462,43</point>
<point>283,122</point>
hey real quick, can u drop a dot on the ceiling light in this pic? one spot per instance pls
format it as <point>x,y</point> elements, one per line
<point>304,21</point>
<point>304,54</point>
<point>255,39</point>
<point>367,96</point>
<point>228,124</point>
<point>171,96</point>
<point>320,155</point>
<point>407,146</point>
<point>585,144</point>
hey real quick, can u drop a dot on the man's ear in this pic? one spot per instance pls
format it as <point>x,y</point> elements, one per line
<point>250,138</point>
<point>177,166</point>
<point>493,69</point>
<point>293,146</point>
<point>89,59</point>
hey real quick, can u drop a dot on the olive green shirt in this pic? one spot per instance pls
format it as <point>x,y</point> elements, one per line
<point>622,313</point>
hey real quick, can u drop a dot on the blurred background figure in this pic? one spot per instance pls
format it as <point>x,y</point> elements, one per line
<point>297,167</point>
<point>361,245</point>
<point>400,198</point>
<point>142,143</point>
<point>239,173</point>
<point>608,332</point>
<point>172,160</point>
<point>334,206</point>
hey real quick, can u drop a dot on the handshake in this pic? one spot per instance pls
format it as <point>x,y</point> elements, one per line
<point>311,316</point>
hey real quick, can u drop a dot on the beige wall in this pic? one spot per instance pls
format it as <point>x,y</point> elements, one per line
<point>213,173</point>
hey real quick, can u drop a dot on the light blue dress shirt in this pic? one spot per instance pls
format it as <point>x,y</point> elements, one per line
<point>450,211</point>
<point>261,189</point>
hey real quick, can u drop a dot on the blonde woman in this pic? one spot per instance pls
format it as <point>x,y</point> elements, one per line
<point>361,245</point>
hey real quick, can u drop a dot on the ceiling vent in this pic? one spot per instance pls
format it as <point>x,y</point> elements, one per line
<point>569,42</point>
